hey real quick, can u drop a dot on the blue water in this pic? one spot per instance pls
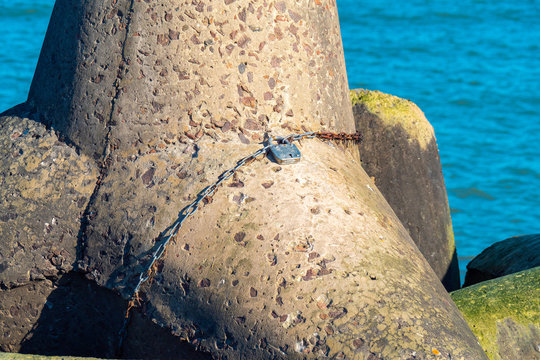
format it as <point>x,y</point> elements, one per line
<point>472,66</point>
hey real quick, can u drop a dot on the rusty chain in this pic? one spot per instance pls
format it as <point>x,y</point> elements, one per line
<point>322,135</point>
<point>206,195</point>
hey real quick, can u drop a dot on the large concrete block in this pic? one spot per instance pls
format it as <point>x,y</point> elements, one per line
<point>74,316</point>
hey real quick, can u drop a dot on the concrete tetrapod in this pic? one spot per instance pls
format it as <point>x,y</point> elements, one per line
<point>44,186</point>
<point>400,152</point>
<point>292,261</point>
<point>45,307</point>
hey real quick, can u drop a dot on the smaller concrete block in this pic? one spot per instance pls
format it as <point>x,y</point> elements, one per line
<point>504,314</point>
<point>505,257</point>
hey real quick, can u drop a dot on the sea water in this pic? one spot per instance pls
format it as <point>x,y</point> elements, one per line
<point>472,66</point>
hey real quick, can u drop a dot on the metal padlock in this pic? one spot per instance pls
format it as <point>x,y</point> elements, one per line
<point>284,152</point>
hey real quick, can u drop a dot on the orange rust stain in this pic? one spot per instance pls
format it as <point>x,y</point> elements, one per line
<point>248,101</point>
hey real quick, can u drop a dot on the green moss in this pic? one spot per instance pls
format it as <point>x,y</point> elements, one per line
<point>515,297</point>
<point>379,102</point>
<point>395,111</point>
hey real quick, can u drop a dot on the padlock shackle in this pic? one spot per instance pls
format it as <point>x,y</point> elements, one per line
<point>281,140</point>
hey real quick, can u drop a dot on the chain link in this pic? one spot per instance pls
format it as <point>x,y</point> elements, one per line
<point>356,137</point>
<point>206,194</point>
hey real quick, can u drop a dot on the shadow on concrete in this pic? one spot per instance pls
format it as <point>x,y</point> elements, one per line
<point>410,178</point>
<point>57,61</point>
<point>82,319</point>
<point>17,110</point>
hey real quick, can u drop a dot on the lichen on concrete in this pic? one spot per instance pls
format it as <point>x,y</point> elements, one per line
<point>510,301</point>
<point>395,111</point>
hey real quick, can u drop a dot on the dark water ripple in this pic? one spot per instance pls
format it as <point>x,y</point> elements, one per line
<point>472,66</point>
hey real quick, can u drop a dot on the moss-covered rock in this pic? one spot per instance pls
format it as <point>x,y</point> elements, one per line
<point>399,152</point>
<point>504,314</point>
<point>505,257</point>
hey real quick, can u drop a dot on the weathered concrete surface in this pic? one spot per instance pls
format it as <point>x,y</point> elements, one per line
<point>400,152</point>
<point>19,311</point>
<point>504,314</point>
<point>45,187</point>
<point>156,73</point>
<point>505,257</point>
<point>286,262</point>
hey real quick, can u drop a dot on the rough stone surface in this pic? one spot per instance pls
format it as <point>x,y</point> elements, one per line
<point>45,187</point>
<point>155,73</point>
<point>504,314</point>
<point>400,152</point>
<point>20,308</point>
<point>505,257</point>
<point>285,261</point>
